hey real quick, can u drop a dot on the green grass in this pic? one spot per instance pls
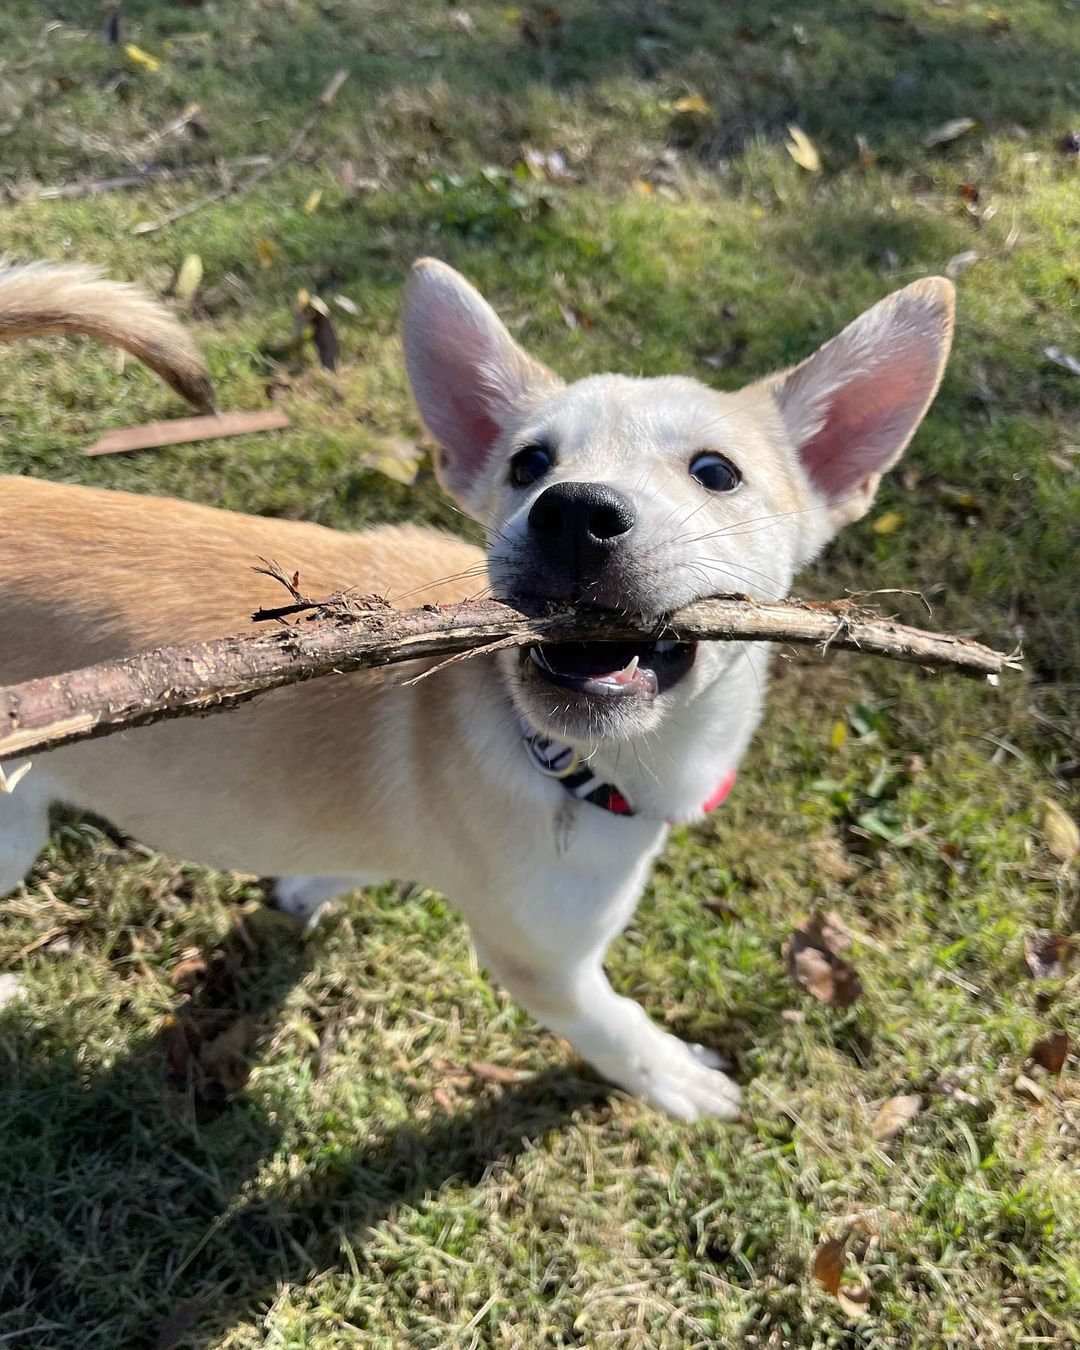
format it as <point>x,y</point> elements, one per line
<point>341,1177</point>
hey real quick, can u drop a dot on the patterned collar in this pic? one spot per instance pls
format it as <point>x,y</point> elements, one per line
<point>565,764</point>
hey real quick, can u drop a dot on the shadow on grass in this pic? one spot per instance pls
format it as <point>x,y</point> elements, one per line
<point>151,1164</point>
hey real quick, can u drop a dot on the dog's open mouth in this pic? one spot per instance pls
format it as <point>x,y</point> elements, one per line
<point>613,669</point>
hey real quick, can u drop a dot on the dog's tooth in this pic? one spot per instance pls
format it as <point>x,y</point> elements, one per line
<point>628,671</point>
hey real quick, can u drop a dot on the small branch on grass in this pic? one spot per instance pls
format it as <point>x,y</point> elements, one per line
<point>348,632</point>
<point>150,173</point>
<point>297,139</point>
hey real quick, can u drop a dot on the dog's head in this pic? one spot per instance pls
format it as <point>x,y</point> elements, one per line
<point>641,495</point>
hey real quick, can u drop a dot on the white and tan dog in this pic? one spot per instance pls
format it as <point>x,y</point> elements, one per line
<point>533,788</point>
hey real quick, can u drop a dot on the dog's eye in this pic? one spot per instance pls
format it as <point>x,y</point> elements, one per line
<point>715,472</point>
<point>530,463</point>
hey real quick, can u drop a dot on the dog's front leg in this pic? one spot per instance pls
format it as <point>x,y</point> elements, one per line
<point>548,953</point>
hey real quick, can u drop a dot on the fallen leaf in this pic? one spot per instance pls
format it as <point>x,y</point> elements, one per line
<point>267,252</point>
<point>11,987</point>
<point>969,192</point>
<point>141,58</point>
<point>395,457</point>
<point>814,965</point>
<point>494,1073</point>
<point>888,523</point>
<point>1063,359</point>
<point>187,972</point>
<point>1060,832</point>
<point>1047,954</point>
<point>311,205</point>
<point>839,734</point>
<point>349,306</point>
<point>802,150</point>
<point>894,1115</point>
<point>949,131</point>
<point>960,262</point>
<point>188,277</point>
<point>694,104</point>
<point>829,1271</point>
<point>1051,1051</point>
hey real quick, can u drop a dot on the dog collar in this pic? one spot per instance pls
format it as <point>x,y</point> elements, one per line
<point>570,770</point>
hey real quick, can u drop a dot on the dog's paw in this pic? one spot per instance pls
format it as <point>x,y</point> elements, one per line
<point>686,1081</point>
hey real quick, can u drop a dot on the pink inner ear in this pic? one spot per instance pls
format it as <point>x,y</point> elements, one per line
<point>867,422</point>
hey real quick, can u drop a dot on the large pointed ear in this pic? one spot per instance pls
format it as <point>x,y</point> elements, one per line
<point>468,375</point>
<point>852,407</point>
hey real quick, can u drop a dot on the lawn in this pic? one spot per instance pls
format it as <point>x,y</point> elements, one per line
<point>215,1133</point>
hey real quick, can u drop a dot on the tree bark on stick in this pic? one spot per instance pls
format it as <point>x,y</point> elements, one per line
<point>349,633</point>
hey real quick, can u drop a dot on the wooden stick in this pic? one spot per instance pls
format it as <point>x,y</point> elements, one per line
<point>151,435</point>
<point>96,187</point>
<point>235,189</point>
<point>347,633</point>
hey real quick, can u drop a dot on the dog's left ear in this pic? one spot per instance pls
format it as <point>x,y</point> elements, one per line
<point>468,375</point>
<point>851,408</point>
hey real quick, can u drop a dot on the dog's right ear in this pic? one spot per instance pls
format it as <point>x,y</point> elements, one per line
<point>468,375</point>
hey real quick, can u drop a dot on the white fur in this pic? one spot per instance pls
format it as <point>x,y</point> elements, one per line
<point>444,792</point>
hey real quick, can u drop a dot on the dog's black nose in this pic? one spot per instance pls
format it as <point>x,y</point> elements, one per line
<point>581,523</point>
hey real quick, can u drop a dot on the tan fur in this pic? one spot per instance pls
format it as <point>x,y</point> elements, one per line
<point>42,298</point>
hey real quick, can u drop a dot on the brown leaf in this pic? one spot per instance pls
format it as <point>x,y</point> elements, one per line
<point>969,192</point>
<point>829,1271</point>
<point>494,1073</point>
<point>188,972</point>
<point>894,1115</point>
<point>1050,1052</point>
<point>812,963</point>
<point>1047,954</point>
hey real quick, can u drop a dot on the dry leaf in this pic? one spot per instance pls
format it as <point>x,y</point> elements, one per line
<point>395,457</point>
<point>829,1271</point>
<point>188,278</point>
<point>894,1115</point>
<point>1047,953</point>
<point>349,306</point>
<point>494,1073</point>
<point>141,58</point>
<point>802,150</point>
<point>960,262</point>
<point>1051,1051</point>
<point>813,964</point>
<point>694,105</point>
<point>949,131</point>
<point>1029,1088</point>
<point>1060,832</point>
<point>267,252</point>
<point>187,972</point>
<point>1063,359</point>
<point>888,523</point>
<point>311,205</point>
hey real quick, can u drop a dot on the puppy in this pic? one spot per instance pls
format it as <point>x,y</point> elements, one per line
<point>534,787</point>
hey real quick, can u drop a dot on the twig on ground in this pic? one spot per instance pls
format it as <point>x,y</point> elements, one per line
<point>149,173</point>
<point>263,171</point>
<point>350,632</point>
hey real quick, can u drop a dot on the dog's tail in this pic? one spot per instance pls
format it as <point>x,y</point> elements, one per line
<point>72,298</point>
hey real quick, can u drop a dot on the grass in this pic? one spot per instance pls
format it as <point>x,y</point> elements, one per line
<point>339,1175</point>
